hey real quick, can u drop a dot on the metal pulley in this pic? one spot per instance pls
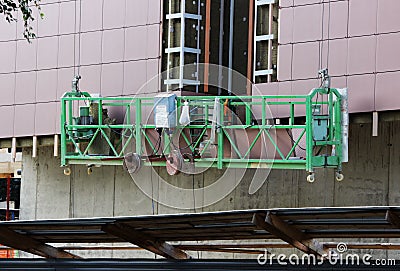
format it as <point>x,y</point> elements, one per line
<point>174,163</point>
<point>132,162</point>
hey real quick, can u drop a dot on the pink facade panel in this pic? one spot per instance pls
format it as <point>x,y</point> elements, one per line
<point>266,89</point>
<point>286,25</point>
<point>49,26</point>
<point>47,53</point>
<point>285,3</point>
<point>361,92</point>
<point>388,57</point>
<point>113,45</point>
<point>113,13</point>
<point>7,121</point>
<point>7,56</point>
<point>153,41</point>
<point>336,19</point>
<point>305,2</point>
<point>285,88</point>
<point>112,79</point>
<point>92,15</point>
<point>136,16</point>
<point>48,1</point>
<point>8,31</point>
<point>339,82</point>
<point>135,50</point>
<point>66,51</point>
<point>25,87</point>
<point>153,79</point>
<point>45,123</point>
<point>387,91</point>
<point>305,60</point>
<point>46,86</point>
<point>388,16</point>
<point>337,56</point>
<point>285,62</point>
<point>67,18</point>
<point>307,25</point>
<point>134,77</point>
<point>91,47</point>
<point>7,88</point>
<point>362,17</point>
<point>24,120</point>
<point>91,78</point>
<point>64,84</point>
<point>58,116</point>
<point>302,87</point>
<point>361,55</point>
<point>154,12</point>
<point>26,55</point>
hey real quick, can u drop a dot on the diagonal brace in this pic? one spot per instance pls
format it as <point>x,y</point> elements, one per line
<point>25,243</point>
<point>290,234</point>
<point>129,234</point>
<point>392,218</point>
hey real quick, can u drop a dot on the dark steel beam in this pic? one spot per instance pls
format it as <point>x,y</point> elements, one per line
<point>25,243</point>
<point>293,236</point>
<point>393,219</point>
<point>147,242</point>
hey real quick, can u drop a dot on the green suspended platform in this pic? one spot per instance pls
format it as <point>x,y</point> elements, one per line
<point>292,132</point>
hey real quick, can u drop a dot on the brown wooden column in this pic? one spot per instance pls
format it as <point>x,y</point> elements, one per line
<point>250,47</point>
<point>207,45</point>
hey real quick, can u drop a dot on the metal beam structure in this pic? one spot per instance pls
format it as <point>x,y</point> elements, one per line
<point>393,219</point>
<point>302,228</point>
<point>298,239</point>
<point>145,241</point>
<point>156,265</point>
<point>22,242</point>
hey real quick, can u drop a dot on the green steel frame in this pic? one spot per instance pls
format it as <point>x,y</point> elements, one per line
<point>135,131</point>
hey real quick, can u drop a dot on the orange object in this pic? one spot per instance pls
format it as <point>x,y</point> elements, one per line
<point>7,253</point>
<point>226,107</point>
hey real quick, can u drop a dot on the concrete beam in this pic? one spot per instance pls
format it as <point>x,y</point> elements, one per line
<point>149,243</point>
<point>290,234</point>
<point>27,142</point>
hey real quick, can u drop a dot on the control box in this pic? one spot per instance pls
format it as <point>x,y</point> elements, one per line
<point>320,128</point>
<point>165,114</point>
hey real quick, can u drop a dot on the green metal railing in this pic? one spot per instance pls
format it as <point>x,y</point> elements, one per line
<point>137,132</point>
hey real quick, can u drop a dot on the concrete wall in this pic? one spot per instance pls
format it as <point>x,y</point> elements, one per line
<point>371,178</point>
